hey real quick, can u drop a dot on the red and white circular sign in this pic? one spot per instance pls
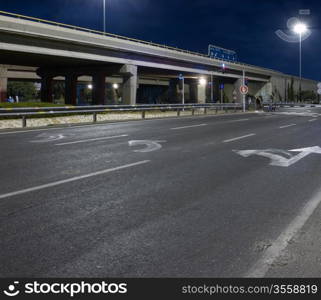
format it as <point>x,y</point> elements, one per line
<point>244,89</point>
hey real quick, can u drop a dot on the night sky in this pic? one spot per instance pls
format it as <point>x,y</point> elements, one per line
<point>246,26</point>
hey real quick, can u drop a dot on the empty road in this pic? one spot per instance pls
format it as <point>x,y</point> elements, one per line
<point>203,196</point>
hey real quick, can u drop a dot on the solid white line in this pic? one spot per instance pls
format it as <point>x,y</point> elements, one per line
<point>239,120</point>
<point>262,266</point>
<point>239,138</point>
<point>92,140</point>
<point>191,126</point>
<point>55,183</point>
<point>312,120</point>
<point>286,126</point>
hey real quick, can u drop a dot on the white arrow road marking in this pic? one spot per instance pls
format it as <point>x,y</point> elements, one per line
<point>150,145</point>
<point>279,157</point>
<point>50,138</point>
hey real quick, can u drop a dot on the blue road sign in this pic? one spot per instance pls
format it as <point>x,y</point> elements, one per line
<point>221,53</point>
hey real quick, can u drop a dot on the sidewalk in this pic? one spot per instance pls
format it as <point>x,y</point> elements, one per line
<point>302,257</point>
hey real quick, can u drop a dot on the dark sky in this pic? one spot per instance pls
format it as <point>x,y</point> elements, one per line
<point>247,26</point>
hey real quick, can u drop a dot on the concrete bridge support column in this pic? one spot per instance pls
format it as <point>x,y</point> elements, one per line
<point>3,83</point>
<point>201,93</point>
<point>99,89</point>
<point>173,91</point>
<point>130,81</point>
<point>237,84</point>
<point>46,88</point>
<point>193,90</point>
<point>71,89</point>
<point>197,91</point>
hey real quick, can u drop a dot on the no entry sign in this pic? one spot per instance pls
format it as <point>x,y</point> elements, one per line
<point>244,89</point>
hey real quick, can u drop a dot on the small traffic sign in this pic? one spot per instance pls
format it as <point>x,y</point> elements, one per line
<point>244,89</point>
<point>319,91</point>
<point>319,85</point>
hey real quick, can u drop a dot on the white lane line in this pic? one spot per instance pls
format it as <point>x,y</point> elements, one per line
<point>191,126</point>
<point>239,120</point>
<point>239,138</point>
<point>92,140</point>
<point>55,183</point>
<point>31,130</point>
<point>287,126</point>
<point>312,120</point>
<point>62,128</point>
<point>262,266</point>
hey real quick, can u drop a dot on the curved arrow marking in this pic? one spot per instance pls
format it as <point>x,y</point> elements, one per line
<point>281,158</point>
<point>149,145</point>
<point>50,138</point>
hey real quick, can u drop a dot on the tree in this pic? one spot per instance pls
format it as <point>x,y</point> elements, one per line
<point>308,96</point>
<point>291,90</point>
<point>26,91</point>
<point>58,90</point>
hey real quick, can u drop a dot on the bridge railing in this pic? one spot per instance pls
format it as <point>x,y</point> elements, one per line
<point>18,16</point>
<point>36,112</point>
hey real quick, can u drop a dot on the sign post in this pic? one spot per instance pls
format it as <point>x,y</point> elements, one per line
<point>212,89</point>
<point>244,90</point>
<point>222,91</point>
<point>181,77</point>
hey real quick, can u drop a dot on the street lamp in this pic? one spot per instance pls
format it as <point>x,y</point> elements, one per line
<point>104,16</point>
<point>202,81</point>
<point>115,86</point>
<point>300,28</point>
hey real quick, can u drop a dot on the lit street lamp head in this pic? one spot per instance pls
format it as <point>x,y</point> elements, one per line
<point>202,81</point>
<point>300,28</point>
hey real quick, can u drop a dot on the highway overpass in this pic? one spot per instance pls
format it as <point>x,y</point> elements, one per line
<point>49,50</point>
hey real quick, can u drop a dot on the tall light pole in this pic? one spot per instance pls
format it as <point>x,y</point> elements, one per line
<point>299,29</point>
<point>104,16</point>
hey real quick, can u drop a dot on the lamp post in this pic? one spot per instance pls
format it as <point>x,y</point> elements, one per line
<point>104,15</point>
<point>300,28</point>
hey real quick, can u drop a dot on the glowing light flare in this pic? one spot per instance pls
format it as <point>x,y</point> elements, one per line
<point>202,81</point>
<point>300,28</point>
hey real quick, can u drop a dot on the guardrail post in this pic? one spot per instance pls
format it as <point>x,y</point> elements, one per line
<point>205,111</point>
<point>216,110</point>
<point>178,112</point>
<point>193,111</point>
<point>226,109</point>
<point>94,117</point>
<point>143,114</point>
<point>24,121</point>
<point>235,108</point>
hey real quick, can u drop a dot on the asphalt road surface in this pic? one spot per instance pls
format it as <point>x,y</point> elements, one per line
<point>206,196</point>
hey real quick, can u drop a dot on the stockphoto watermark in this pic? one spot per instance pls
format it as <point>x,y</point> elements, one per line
<point>62,288</point>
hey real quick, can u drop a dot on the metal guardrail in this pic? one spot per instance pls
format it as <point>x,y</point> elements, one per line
<point>28,18</point>
<point>291,104</point>
<point>25,113</point>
